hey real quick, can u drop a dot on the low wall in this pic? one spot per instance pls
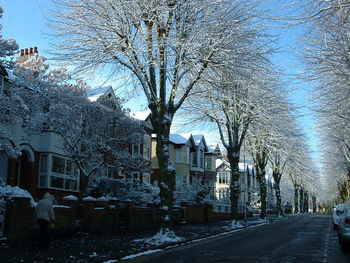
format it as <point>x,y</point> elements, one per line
<point>95,216</point>
<point>20,223</point>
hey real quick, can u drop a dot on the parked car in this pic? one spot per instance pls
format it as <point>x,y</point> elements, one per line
<point>337,213</point>
<point>251,210</point>
<point>344,228</point>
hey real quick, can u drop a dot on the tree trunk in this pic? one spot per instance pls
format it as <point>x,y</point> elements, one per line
<point>166,171</point>
<point>280,211</point>
<point>313,204</point>
<point>233,158</point>
<point>277,178</point>
<point>263,193</point>
<point>306,202</point>
<point>301,200</point>
<point>296,198</point>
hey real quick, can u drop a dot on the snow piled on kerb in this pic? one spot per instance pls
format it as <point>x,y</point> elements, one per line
<point>164,236</point>
<point>233,225</point>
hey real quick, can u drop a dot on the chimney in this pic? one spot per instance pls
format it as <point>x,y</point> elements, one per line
<point>36,50</point>
<point>26,52</point>
<point>22,52</point>
<point>31,51</point>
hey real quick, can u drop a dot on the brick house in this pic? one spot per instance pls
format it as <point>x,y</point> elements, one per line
<point>198,157</point>
<point>179,154</point>
<point>42,165</point>
<point>210,173</point>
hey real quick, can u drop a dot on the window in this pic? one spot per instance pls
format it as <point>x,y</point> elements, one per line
<point>224,177</point>
<point>112,172</point>
<point>146,147</point>
<point>208,164</point>
<point>58,172</point>
<point>136,149</point>
<point>194,159</point>
<point>182,155</point>
<point>201,158</point>
<point>121,174</point>
<point>135,176</point>
<point>146,178</point>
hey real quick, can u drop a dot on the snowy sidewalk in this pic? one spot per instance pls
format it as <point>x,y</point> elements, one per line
<point>110,248</point>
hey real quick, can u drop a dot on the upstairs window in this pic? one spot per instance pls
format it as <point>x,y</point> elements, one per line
<point>208,164</point>
<point>194,159</point>
<point>147,147</point>
<point>182,155</point>
<point>136,144</point>
<point>201,158</point>
<point>136,149</point>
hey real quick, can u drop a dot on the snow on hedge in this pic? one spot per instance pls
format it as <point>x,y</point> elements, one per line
<point>89,198</point>
<point>8,192</point>
<point>70,198</point>
<point>124,190</point>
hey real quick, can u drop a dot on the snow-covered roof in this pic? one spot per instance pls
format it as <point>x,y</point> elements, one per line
<point>95,93</point>
<point>142,116</point>
<point>177,139</point>
<point>220,162</point>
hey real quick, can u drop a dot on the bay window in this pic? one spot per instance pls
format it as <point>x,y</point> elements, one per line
<point>147,147</point>
<point>194,159</point>
<point>201,158</point>
<point>58,172</point>
<point>182,155</point>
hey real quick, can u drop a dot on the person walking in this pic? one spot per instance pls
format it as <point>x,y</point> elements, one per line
<point>44,215</point>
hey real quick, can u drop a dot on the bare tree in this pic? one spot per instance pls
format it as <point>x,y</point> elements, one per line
<point>326,53</point>
<point>166,46</point>
<point>8,48</point>
<point>91,133</point>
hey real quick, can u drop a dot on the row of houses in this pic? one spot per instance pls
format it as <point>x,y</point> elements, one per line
<point>42,164</point>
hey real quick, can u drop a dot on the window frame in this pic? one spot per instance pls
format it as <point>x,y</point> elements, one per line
<point>201,158</point>
<point>208,163</point>
<point>147,147</point>
<point>194,159</point>
<point>46,173</point>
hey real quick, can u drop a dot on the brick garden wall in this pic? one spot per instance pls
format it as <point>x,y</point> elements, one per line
<point>97,217</point>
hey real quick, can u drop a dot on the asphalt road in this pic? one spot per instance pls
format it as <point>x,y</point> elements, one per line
<point>304,239</point>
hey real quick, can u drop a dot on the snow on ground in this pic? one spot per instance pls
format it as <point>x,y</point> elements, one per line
<point>110,248</point>
<point>163,236</point>
<point>148,252</point>
<point>233,225</point>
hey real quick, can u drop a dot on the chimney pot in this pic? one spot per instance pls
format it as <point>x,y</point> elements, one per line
<point>31,51</point>
<point>22,52</point>
<point>35,49</point>
<point>26,52</point>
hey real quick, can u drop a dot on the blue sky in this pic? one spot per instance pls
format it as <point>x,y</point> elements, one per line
<point>25,21</point>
